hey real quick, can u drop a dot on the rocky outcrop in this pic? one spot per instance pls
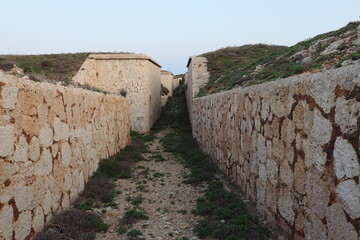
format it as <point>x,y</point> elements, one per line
<point>293,147</point>
<point>51,141</point>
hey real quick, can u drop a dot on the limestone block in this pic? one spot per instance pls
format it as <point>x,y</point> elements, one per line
<point>22,227</point>
<point>43,112</point>
<point>65,132</point>
<point>265,110</point>
<point>46,136</point>
<point>6,222</point>
<point>81,181</point>
<point>346,162</point>
<point>38,219</point>
<point>349,194</point>
<point>21,150</point>
<point>67,181</point>
<point>321,129</point>
<point>44,165</point>
<point>7,140</point>
<point>46,203</point>
<point>65,154</point>
<point>337,224</point>
<point>314,228</point>
<point>29,124</point>
<point>65,203</point>
<point>286,174</point>
<point>34,149</point>
<point>322,90</point>
<point>314,155</point>
<point>285,206</point>
<point>299,175</point>
<point>317,194</point>
<point>23,196</point>
<point>272,171</point>
<point>9,97</point>
<point>260,192</point>
<point>346,114</point>
<point>27,102</point>
<point>54,149</point>
<point>57,129</point>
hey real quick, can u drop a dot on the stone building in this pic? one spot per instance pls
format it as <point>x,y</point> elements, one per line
<point>167,81</point>
<point>135,75</point>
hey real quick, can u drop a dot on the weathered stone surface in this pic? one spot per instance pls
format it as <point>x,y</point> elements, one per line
<point>23,197</point>
<point>65,154</point>
<point>6,222</point>
<point>349,194</point>
<point>29,124</point>
<point>315,229</point>
<point>317,194</point>
<point>46,136</point>
<point>22,227</point>
<point>9,97</point>
<point>346,161</point>
<point>38,219</point>
<point>314,156</point>
<point>6,140</point>
<point>307,126</point>
<point>285,206</point>
<point>321,129</point>
<point>34,149</point>
<point>337,224</point>
<point>33,121</point>
<point>21,150</point>
<point>57,129</point>
<point>346,113</point>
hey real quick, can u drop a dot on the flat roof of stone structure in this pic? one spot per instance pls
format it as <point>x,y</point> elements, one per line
<point>164,72</point>
<point>122,56</point>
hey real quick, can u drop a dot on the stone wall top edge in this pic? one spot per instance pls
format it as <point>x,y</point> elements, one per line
<point>351,71</point>
<point>123,57</point>
<point>22,83</point>
<point>203,59</point>
<point>163,72</point>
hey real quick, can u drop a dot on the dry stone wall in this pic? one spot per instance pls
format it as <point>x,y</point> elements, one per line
<point>167,81</point>
<point>51,141</point>
<point>293,147</point>
<point>137,75</point>
<point>196,77</point>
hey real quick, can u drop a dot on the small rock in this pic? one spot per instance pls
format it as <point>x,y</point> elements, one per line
<point>307,60</point>
<point>222,221</point>
<point>183,225</point>
<point>347,63</point>
<point>16,70</point>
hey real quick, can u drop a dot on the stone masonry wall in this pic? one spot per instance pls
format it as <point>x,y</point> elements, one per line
<point>167,81</point>
<point>196,77</point>
<point>51,141</point>
<point>137,74</point>
<point>293,147</point>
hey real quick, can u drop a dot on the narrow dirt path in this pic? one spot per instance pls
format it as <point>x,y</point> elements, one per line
<point>156,189</point>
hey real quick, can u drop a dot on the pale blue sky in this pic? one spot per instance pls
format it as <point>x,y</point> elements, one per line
<point>168,31</point>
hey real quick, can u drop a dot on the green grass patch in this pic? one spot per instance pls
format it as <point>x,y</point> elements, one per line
<point>234,66</point>
<point>121,230</point>
<point>134,233</point>
<point>133,213</point>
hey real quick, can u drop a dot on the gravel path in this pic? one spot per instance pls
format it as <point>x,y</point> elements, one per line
<point>157,184</point>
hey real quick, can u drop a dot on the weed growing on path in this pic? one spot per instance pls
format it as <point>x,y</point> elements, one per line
<point>73,224</point>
